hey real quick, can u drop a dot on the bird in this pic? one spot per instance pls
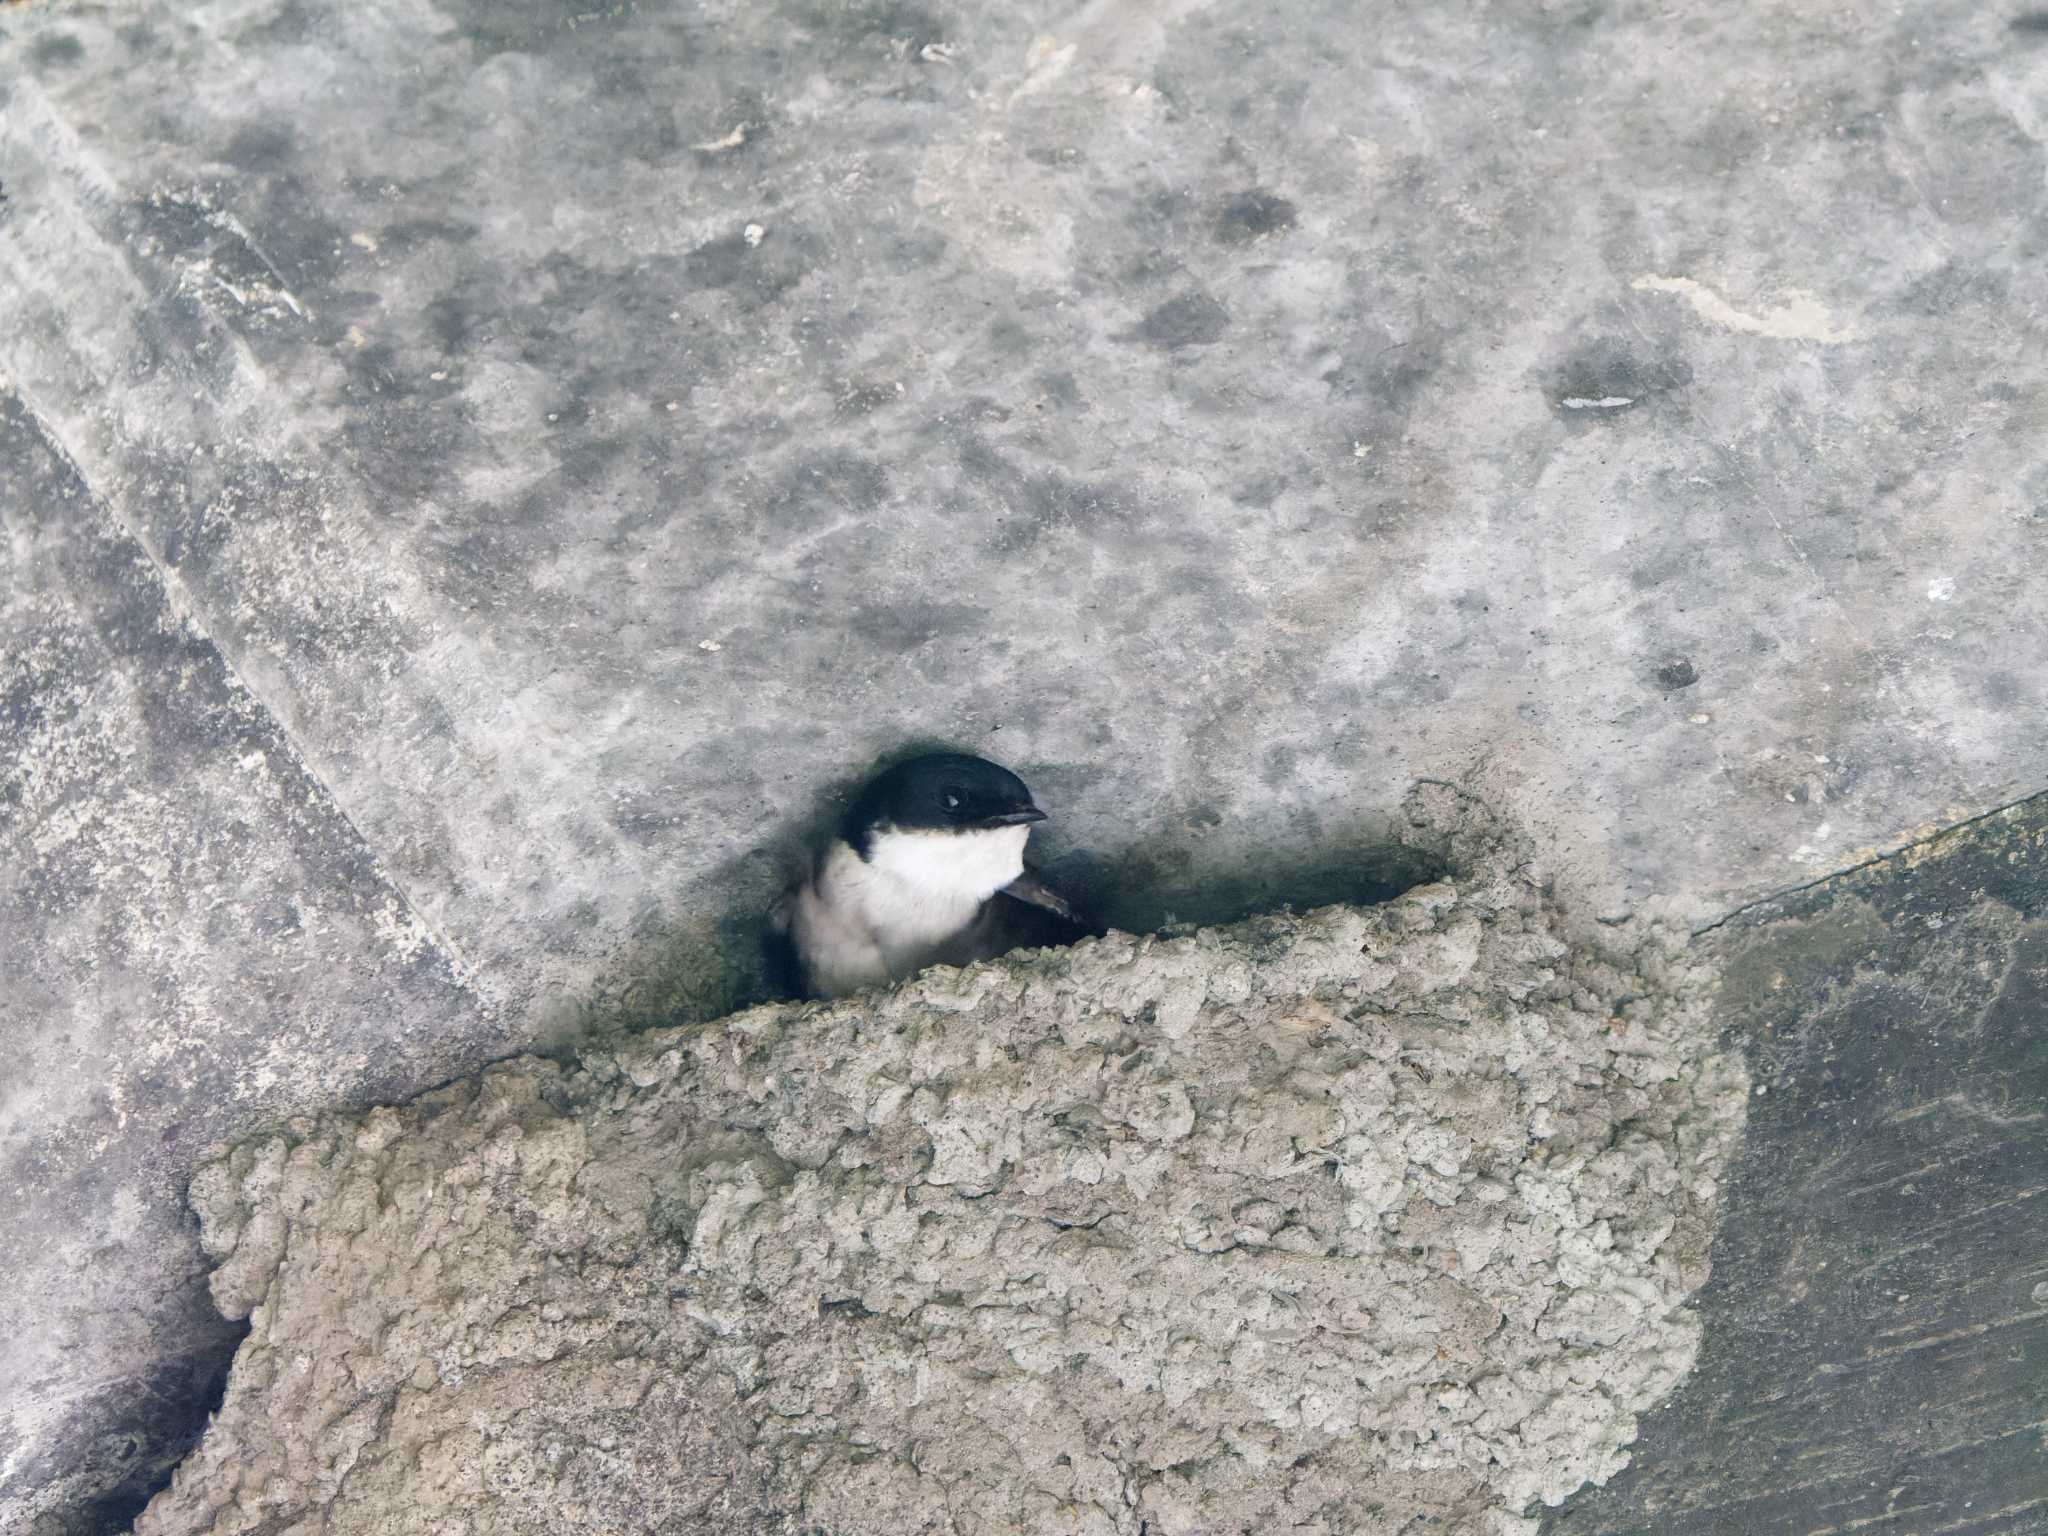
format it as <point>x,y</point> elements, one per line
<point>926,868</point>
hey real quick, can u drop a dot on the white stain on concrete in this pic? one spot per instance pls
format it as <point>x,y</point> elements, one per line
<point>1604,403</point>
<point>1801,317</point>
<point>732,140</point>
<point>1045,63</point>
<point>220,218</point>
<point>400,930</point>
<point>1942,589</point>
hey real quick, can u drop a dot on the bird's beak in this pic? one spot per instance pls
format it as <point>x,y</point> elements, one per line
<point>1022,818</point>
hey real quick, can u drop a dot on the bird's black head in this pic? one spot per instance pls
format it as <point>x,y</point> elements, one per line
<point>944,791</point>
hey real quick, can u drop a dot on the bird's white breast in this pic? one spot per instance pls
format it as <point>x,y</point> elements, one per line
<point>863,922</point>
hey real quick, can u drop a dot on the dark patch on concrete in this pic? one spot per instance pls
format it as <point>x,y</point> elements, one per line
<point>58,50</point>
<point>1253,215</point>
<point>856,397</point>
<point>756,274</point>
<point>2033,23</point>
<point>1390,375</point>
<point>906,626</point>
<point>1278,769</point>
<point>2034,492</point>
<point>829,485</point>
<point>1191,319</point>
<point>453,322</point>
<point>1675,674</point>
<point>1420,677</point>
<point>860,20</point>
<point>1952,286</point>
<point>514,26</point>
<point>1008,338</point>
<point>1659,568</point>
<point>1150,268</point>
<point>590,463</point>
<point>294,23</point>
<point>975,408</point>
<point>1161,217</point>
<point>1987,167</point>
<point>668,974</point>
<point>260,147</point>
<point>725,262</point>
<point>978,461</point>
<point>1261,492</point>
<point>1060,388</point>
<point>1604,377</point>
<point>409,234</point>
<point>2001,689</point>
<point>1874,1336</point>
<point>1567,23</point>
<point>1054,500</point>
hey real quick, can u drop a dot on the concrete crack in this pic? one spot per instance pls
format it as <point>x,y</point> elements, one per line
<point>1878,858</point>
<point>180,601</point>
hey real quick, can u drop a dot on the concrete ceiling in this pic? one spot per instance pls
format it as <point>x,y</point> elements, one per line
<point>478,477</point>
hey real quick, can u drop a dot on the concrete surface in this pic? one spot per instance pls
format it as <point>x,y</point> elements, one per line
<point>572,442</point>
<point>194,933</point>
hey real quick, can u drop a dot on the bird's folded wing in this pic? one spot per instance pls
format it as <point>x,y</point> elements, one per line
<point>1028,887</point>
<point>782,970</point>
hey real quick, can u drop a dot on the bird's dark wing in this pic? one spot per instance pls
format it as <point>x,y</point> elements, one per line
<point>1030,887</point>
<point>1029,913</point>
<point>1025,914</point>
<point>781,970</point>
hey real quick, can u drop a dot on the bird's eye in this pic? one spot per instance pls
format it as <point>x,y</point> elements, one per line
<point>952,798</point>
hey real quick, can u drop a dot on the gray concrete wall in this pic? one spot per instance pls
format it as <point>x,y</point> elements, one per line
<point>475,479</point>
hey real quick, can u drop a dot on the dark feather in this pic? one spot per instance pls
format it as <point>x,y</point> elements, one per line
<point>1030,887</point>
<point>1029,914</point>
<point>781,970</point>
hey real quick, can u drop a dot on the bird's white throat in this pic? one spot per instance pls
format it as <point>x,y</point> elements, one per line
<point>950,868</point>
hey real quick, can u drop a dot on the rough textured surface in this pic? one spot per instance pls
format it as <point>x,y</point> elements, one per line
<point>1877,1321</point>
<point>1324,1223</point>
<point>191,934</point>
<point>1226,414</point>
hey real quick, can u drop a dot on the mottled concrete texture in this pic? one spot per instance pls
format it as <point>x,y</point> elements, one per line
<point>477,477</point>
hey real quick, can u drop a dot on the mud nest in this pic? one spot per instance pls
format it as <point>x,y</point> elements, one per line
<point>1314,1222</point>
